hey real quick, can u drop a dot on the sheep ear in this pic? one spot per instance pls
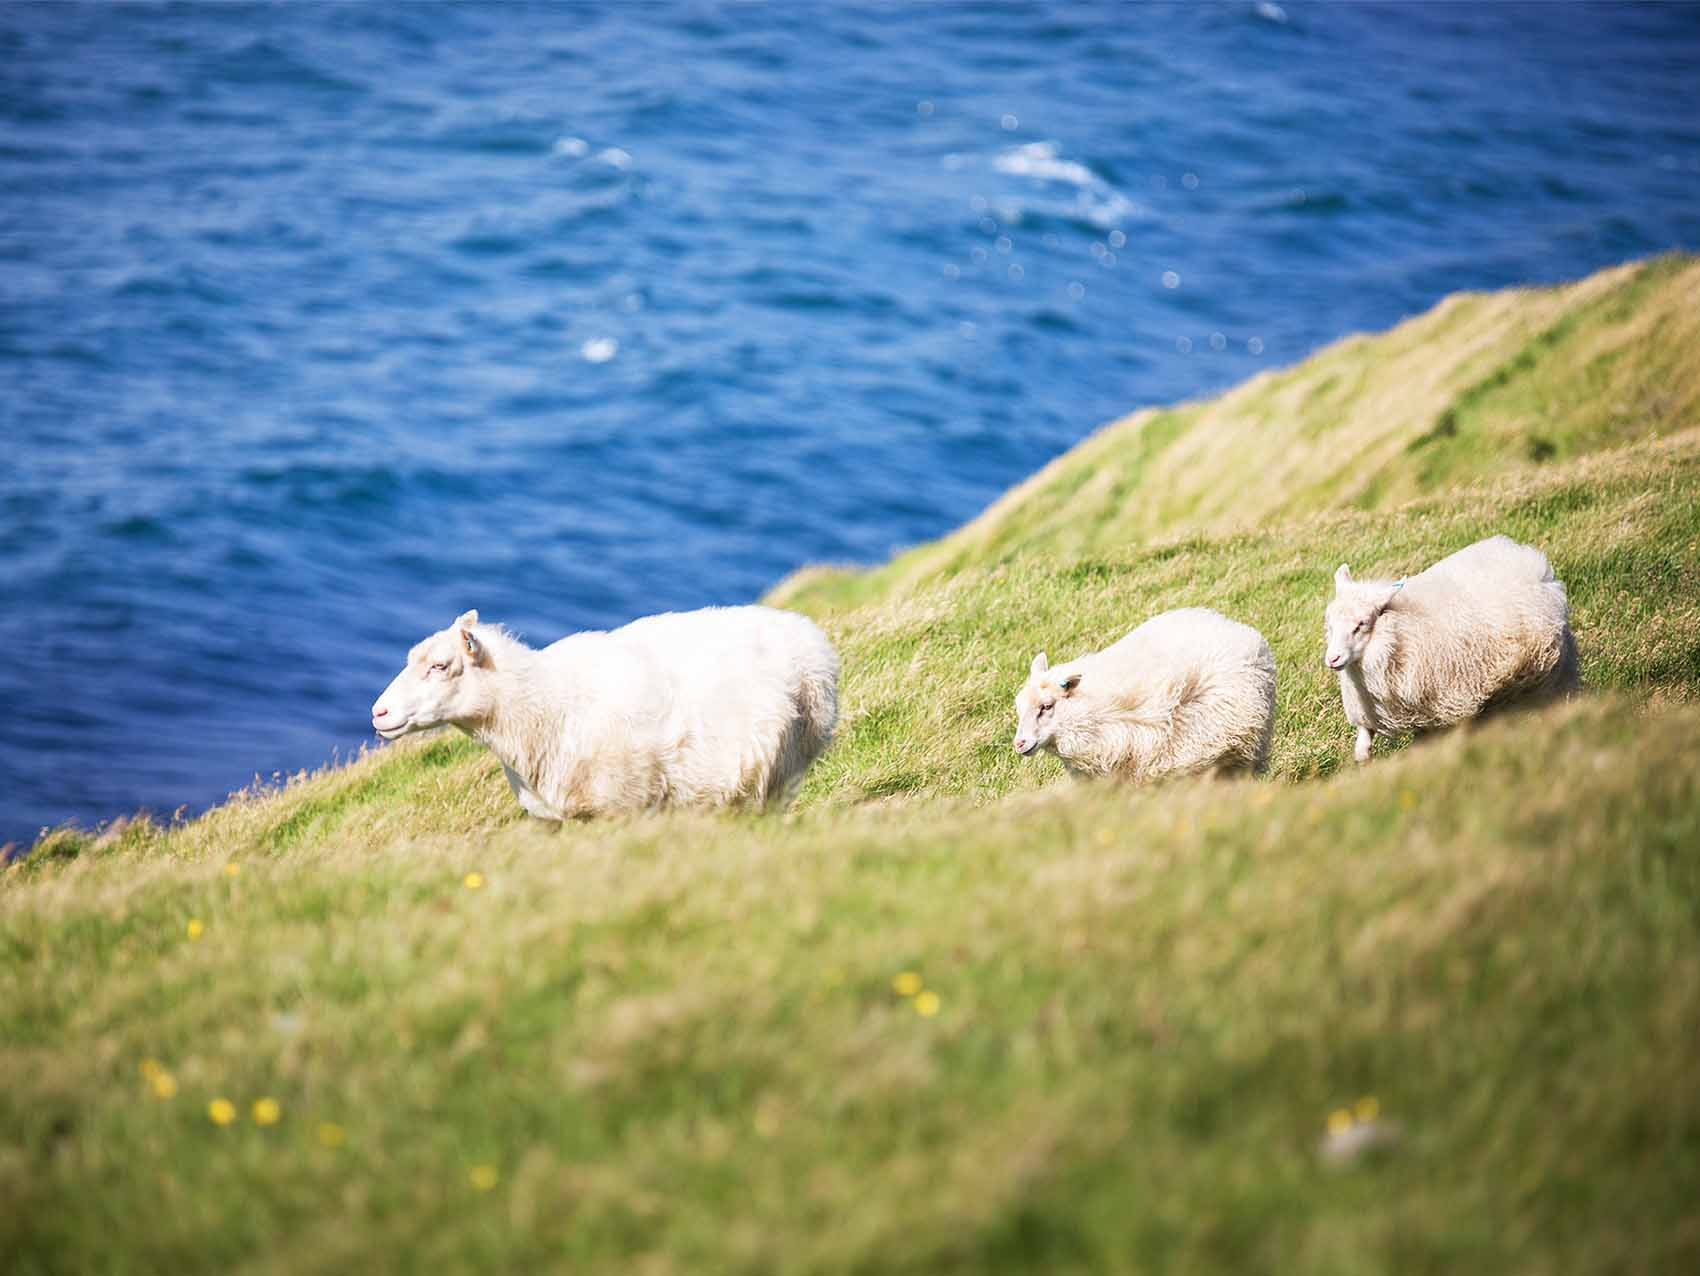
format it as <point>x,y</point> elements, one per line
<point>1039,665</point>
<point>467,618</point>
<point>1342,576</point>
<point>1070,683</point>
<point>469,640</point>
<point>1387,597</point>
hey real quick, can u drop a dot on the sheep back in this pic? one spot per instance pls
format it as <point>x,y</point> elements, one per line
<point>718,707</point>
<point>1187,691</point>
<point>1483,627</point>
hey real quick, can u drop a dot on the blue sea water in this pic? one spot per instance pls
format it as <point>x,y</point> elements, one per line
<point>322,323</point>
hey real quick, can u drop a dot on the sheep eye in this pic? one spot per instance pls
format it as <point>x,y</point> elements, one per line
<point>440,667</point>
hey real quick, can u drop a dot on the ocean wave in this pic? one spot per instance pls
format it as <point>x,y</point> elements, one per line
<point>1095,198</point>
<point>1039,159</point>
<point>265,62</point>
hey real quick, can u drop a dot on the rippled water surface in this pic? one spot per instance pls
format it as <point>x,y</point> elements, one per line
<point>321,324</point>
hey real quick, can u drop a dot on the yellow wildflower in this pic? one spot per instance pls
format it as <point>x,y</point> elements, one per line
<point>1366,1108</point>
<point>1339,1121</point>
<point>906,984</point>
<point>331,1134</point>
<point>483,1177</point>
<point>266,1111</point>
<point>927,1004</point>
<point>222,1111</point>
<point>232,869</point>
<point>195,927</point>
<point>474,881</point>
<point>150,1068</point>
<point>1407,800</point>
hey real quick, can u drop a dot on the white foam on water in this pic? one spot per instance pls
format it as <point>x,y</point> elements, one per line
<point>1108,209</point>
<point>1095,199</point>
<point>1039,159</point>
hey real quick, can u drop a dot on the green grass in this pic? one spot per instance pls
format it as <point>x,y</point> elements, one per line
<point>673,1041</point>
<point>926,705</point>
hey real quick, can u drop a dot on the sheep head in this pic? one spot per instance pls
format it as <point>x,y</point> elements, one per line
<point>1349,622</point>
<point>441,682</point>
<point>1036,704</point>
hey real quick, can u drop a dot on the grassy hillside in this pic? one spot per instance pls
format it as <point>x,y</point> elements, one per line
<point>932,672</point>
<point>676,1044</point>
<point>954,1012</point>
<point>1485,385</point>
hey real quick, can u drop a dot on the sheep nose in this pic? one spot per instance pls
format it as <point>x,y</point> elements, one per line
<point>378,712</point>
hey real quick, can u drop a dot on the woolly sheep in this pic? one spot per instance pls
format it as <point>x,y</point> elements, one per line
<point>1187,691</point>
<point>726,706</point>
<point>1481,627</point>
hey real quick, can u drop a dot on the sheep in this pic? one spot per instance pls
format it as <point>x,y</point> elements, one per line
<point>726,706</point>
<point>1186,691</point>
<point>1487,625</point>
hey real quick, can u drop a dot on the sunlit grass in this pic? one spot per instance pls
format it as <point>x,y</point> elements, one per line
<point>1085,1023</point>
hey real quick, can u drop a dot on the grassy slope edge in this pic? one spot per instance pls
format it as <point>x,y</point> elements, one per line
<point>1484,385</point>
<point>672,1042</point>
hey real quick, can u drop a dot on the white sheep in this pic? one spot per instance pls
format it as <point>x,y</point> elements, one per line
<point>1486,625</point>
<point>726,706</point>
<point>1187,691</point>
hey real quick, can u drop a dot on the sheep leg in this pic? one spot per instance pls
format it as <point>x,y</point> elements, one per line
<point>1365,738</point>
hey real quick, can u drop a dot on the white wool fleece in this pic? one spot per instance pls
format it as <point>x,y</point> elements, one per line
<point>1483,626</point>
<point>725,706</point>
<point>1186,691</point>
